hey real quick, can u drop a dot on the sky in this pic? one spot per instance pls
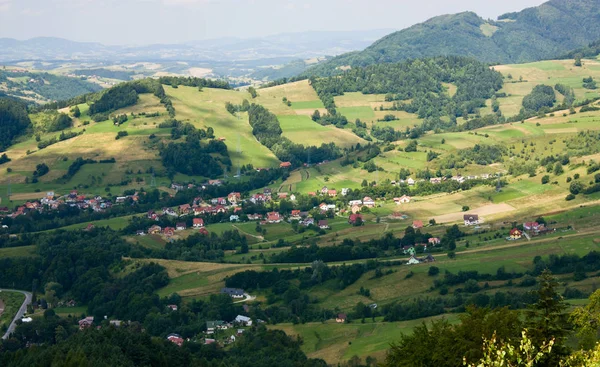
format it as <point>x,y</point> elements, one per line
<point>140,22</point>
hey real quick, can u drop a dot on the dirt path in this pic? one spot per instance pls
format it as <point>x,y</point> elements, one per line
<point>260,238</point>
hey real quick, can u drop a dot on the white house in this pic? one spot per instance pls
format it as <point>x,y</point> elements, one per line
<point>413,261</point>
<point>345,191</point>
<point>351,203</point>
<point>410,182</point>
<point>293,197</point>
<point>404,199</point>
<point>244,320</point>
<point>471,219</point>
<point>234,218</point>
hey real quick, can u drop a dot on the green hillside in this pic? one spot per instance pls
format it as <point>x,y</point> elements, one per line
<point>543,32</point>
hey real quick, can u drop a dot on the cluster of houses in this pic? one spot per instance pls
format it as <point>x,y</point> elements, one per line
<point>530,229</point>
<point>51,201</point>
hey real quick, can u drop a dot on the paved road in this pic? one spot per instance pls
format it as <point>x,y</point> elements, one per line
<point>20,313</point>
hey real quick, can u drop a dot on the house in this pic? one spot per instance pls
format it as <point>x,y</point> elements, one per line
<point>345,191</point>
<point>368,202</point>
<point>341,318</point>
<point>154,229</point>
<point>409,250</point>
<point>531,226</point>
<point>89,227</point>
<point>209,341</point>
<point>140,232</point>
<point>203,231</point>
<point>307,222</point>
<point>282,195</point>
<point>434,241</point>
<point>515,234</point>
<point>324,190</point>
<point>355,218</point>
<point>215,182</point>
<point>435,180</point>
<point>86,323</point>
<point>254,217</point>
<point>351,203</point>
<point>323,207</point>
<point>323,224</point>
<point>285,165</point>
<point>233,292</point>
<point>295,215</point>
<point>293,197</point>
<point>185,209</point>
<point>176,339</point>
<point>267,191</point>
<point>471,219</point>
<point>311,193</point>
<point>234,218</point>
<point>212,326</point>
<point>180,226</point>
<point>332,193</point>
<point>404,199</point>
<point>417,224</point>
<point>273,217</point>
<point>169,231</point>
<point>243,320</point>
<point>413,260</point>
<point>410,182</point>
<point>234,197</point>
<point>198,223</point>
<point>172,307</point>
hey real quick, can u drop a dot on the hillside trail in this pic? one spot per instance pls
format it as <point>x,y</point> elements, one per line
<point>260,238</point>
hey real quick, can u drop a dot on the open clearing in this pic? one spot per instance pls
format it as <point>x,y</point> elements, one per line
<point>483,211</point>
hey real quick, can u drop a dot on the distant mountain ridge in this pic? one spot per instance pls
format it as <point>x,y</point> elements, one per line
<point>287,45</point>
<point>549,30</point>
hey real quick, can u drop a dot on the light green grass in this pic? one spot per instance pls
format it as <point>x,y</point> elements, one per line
<point>307,104</point>
<point>12,302</point>
<point>22,251</point>
<point>303,130</point>
<point>353,113</point>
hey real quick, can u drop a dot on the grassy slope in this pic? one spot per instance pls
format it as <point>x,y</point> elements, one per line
<point>12,301</point>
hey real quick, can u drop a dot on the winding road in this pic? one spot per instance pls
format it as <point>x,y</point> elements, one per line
<point>20,313</point>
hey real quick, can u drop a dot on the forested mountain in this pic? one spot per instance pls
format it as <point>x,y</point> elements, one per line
<point>542,32</point>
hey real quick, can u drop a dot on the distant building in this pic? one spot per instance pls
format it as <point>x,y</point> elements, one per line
<point>515,234</point>
<point>233,292</point>
<point>285,165</point>
<point>243,320</point>
<point>198,222</point>
<point>341,318</point>
<point>175,338</point>
<point>417,224</point>
<point>355,218</point>
<point>86,323</point>
<point>471,219</point>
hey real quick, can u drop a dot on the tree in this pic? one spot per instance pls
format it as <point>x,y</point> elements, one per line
<point>465,208</point>
<point>578,61</point>
<point>545,179</point>
<point>316,116</point>
<point>547,319</point>
<point>558,169</point>
<point>76,112</point>
<point>576,187</point>
<point>252,92</point>
<point>433,271</point>
<point>497,353</point>
<point>587,321</point>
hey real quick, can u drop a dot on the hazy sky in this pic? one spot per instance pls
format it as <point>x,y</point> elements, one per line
<point>174,21</point>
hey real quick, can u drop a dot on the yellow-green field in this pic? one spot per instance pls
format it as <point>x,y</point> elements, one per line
<point>544,72</point>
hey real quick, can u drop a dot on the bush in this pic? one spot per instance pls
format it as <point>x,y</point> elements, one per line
<point>121,134</point>
<point>545,179</point>
<point>570,197</point>
<point>433,271</point>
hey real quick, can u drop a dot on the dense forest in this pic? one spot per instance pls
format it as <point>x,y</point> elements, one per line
<point>421,83</point>
<point>533,34</point>
<point>49,86</point>
<point>106,73</point>
<point>14,121</point>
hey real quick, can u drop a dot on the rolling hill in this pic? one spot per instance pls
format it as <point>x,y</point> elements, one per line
<point>533,34</point>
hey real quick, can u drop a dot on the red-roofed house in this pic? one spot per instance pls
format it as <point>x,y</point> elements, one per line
<point>354,218</point>
<point>434,241</point>
<point>531,226</point>
<point>234,197</point>
<point>515,234</point>
<point>169,231</point>
<point>203,231</point>
<point>332,193</point>
<point>417,224</point>
<point>176,339</point>
<point>285,165</point>
<point>368,202</point>
<point>273,217</point>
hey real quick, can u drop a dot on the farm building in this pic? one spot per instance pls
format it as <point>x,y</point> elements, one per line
<point>515,234</point>
<point>233,292</point>
<point>471,219</point>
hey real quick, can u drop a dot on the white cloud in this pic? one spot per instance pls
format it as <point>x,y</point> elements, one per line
<point>31,12</point>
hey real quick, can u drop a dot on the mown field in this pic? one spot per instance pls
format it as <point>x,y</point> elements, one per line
<point>10,302</point>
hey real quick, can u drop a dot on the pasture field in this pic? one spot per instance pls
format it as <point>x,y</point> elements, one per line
<point>302,130</point>
<point>10,302</point>
<point>22,251</point>
<point>207,109</point>
<point>340,342</point>
<point>544,72</point>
